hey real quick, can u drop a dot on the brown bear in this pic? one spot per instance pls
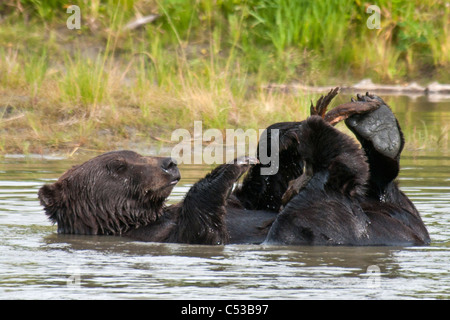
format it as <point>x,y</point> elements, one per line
<point>120,192</point>
<point>326,191</point>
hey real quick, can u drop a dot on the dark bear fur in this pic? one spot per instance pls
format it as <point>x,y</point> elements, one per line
<point>124,193</point>
<point>344,195</point>
<point>332,208</point>
<point>110,194</point>
<point>265,192</point>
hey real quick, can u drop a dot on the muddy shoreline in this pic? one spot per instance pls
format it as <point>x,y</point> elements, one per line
<point>413,89</point>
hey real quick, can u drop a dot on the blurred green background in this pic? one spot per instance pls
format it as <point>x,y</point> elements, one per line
<point>105,83</point>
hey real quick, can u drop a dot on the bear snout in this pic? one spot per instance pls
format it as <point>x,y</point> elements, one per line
<point>169,166</point>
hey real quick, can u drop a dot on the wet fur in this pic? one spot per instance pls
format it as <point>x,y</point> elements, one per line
<point>123,193</point>
<point>349,200</point>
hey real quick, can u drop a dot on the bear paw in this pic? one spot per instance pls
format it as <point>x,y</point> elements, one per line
<point>379,127</point>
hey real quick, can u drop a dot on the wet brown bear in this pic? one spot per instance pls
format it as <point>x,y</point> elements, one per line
<point>118,192</point>
<point>326,191</point>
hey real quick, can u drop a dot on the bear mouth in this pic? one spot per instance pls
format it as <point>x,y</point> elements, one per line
<point>171,184</point>
<point>174,181</point>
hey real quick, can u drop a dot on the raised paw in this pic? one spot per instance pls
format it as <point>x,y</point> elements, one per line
<point>364,104</point>
<point>216,186</point>
<point>321,106</point>
<point>243,164</point>
<point>344,111</point>
<point>378,127</point>
<point>369,98</point>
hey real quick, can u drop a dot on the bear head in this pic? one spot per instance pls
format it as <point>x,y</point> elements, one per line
<point>110,194</point>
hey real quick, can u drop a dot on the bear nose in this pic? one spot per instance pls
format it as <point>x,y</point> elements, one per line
<point>169,166</point>
<point>168,163</point>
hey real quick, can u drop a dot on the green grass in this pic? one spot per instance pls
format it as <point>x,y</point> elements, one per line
<point>199,60</point>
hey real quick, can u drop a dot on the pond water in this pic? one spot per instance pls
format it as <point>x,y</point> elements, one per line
<point>37,263</point>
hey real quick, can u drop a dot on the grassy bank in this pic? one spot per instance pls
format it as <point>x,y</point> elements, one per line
<point>105,86</point>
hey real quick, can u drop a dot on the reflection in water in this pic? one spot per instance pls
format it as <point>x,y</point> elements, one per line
<point>37,263</point>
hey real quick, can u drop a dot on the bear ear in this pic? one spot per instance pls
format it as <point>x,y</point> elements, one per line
<point>48,194</point>
<point>118,165</point>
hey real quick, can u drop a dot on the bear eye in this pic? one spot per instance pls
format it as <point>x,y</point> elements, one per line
<point>117,166</point>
